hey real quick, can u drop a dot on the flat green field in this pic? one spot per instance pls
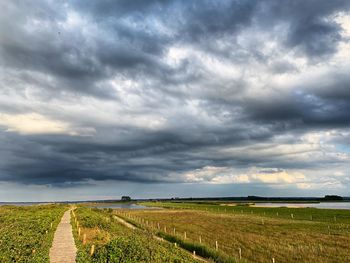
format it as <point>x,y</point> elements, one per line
<point>26,233</point>
<point>253,234</point>
<point>114,242</point>
<point>220,233</point>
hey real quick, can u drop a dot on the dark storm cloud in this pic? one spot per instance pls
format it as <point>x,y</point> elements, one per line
<point>128,41</point>
<point>114,9</point>
<point>78,62</point>
<point>316,38</point>
<point>139,156</point>
<point>68,61</point>
<point>307,110</point>
<point>323,102</point>
<point>309,24</point>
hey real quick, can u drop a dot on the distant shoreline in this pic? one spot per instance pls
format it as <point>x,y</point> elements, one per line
<point>219,200</point>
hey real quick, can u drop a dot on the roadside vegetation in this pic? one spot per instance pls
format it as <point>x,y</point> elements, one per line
<point>26,233</point>
<point>251,234</point>
<point>102,238</point>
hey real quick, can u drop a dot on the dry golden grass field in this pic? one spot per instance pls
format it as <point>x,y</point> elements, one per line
<point>258,234</point>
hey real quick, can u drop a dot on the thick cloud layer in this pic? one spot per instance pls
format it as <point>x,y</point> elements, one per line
<point>229,92</point>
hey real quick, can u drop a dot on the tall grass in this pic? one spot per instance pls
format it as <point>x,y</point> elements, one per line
<point>199,249</point>
<point>116,243</point>
<point>260,236</point>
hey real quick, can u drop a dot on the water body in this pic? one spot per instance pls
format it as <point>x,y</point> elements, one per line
<point>125,206</point>
<point>322,205</point>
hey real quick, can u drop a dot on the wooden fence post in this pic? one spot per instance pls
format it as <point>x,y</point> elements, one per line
<point>216,245</point>
<point>84,239</point>
<point>92,250</point>
<point>240,253</point>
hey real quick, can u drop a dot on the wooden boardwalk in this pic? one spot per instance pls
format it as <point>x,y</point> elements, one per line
<point>63,248</point>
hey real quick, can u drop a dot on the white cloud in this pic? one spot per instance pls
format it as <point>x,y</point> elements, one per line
<point>33,123</point>
<point>338,173</point>
<point>225,175</point>
<point>321,180</point>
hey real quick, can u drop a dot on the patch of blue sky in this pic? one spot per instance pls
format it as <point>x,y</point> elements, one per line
<point>343,148</point>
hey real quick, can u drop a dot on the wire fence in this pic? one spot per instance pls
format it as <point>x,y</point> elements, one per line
<point>187,236</point>
<point>217,244</point>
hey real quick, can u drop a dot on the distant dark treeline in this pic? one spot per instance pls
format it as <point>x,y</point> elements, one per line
<point>258,199</point>
<point>251,198</point>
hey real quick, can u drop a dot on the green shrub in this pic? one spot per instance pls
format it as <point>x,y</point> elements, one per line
<point>26,234</point>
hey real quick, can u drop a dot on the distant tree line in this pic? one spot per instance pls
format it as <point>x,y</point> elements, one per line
<point>126,198</point>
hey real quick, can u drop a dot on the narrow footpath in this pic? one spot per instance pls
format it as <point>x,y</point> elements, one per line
<point>63,248</point>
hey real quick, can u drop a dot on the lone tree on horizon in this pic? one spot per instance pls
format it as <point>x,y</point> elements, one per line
<point>126,198</point>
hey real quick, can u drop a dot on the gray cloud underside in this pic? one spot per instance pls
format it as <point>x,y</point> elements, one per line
<point>48,64</point>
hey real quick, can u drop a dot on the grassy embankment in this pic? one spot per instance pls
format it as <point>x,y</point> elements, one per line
<point>114,242</point>
<point>285,234</point>
<point>26,233</point>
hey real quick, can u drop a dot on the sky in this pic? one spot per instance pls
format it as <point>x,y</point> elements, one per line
<point>100,99</point>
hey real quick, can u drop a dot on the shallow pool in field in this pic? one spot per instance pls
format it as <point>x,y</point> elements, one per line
<point>322,205</point>
<point>125,206</point>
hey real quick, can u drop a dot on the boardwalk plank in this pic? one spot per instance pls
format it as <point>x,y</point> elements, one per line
<point>63,248</point>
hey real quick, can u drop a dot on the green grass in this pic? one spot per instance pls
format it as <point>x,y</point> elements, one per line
<point>308,214</point>
<point>116,243</point>
<point>260,233</point>
<point>200,249</point>
<point>25,232</point>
